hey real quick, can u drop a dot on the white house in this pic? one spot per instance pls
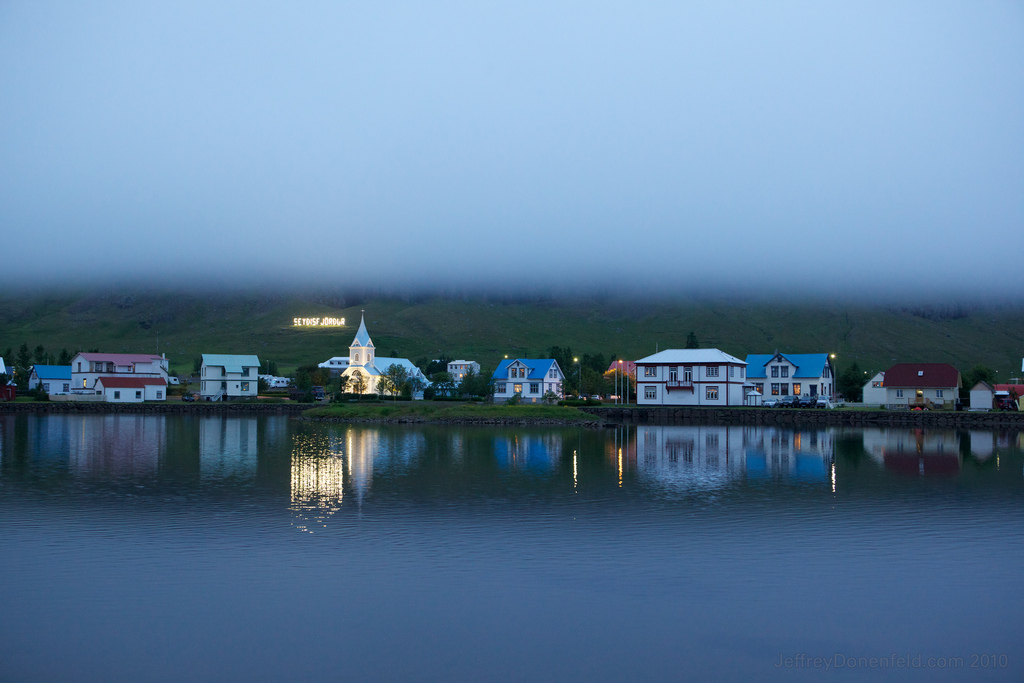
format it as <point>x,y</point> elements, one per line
<point>86,368</point>
<point>460,368</point>
<point>690,377</point>
<point>791,374</point>
<point>874,390</point>
<point>131,389</point>
<point>982,396</point>
<point>531,378</point>
<point>925,385</point>
<point>337,365</point>
<point>55,379</point>
<point>364,367</point>
<point>226,376</point>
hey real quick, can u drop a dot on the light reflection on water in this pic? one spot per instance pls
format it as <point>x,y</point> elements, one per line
<point>690,549</point>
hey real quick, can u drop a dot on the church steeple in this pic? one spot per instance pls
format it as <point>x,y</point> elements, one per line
<point>360,351</point>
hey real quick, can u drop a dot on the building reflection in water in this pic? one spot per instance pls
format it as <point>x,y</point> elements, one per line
<point>325,463</point>
<point>120,445</point>
<point>528,452</point>
<point>710,456</point>
<point>228,447</point>
<point>916,451</point>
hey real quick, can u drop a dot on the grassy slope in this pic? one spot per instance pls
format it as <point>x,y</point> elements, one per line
<point>485,330</point>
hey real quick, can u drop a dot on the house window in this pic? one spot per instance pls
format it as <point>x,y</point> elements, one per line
<point>223,372</point>
<point>66,388</point>
<point>159,395</point>
<point>899,393</point>
<point>245,372</point>
<point>650,371</point>
<point>356,358</point>
<point>673,374</point>
<point>79,366</point>
<point>775,388</point>
<point>876,385</point>
<point>46,387</point>
<point>760,387</point>
<point>784,388</point>
<point>245,386</point>
<point>499,388</point>
<point>138,394</point>
<point>534,388</point>
<point>517,388</point>
<point>796,388</point>
<point>650,393</point>
<point>712,393</point>
<point>713,371</point>
<point>223,386</point>
<point>732,371</point>
<point>83,383</point>
<point>775,371</point>
<point>687,374</point>
<point>204,371</point>
<point>743,372</point>
<point>938,393</point>
<point>117,395</point>
<point>785,371</point>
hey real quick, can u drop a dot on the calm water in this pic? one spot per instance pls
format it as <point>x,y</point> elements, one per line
<point>170,548</point>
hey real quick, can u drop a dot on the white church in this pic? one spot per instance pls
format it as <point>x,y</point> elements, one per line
<point>364,367</point>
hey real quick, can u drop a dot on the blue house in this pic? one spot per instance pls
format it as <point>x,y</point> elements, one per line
<point>531,378</point>
<point>791,374</point>
<point>56,379</point>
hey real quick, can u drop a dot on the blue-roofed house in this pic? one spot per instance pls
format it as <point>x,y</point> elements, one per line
<point>364,368</point>
<point>791,374</point>
<point>56,379</point>
<point>226,376</point>
<point>531,378</point>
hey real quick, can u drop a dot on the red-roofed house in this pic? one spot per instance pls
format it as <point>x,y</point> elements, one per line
<point>131,389</point>
<point>87,368</point>
<point>1010,392</point>
<point>928,385</point>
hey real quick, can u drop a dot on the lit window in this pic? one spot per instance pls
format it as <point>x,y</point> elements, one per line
<point>245,386</point>
<point>712,393</point>
<point>759,386</point>
<point>796,388</point>
<point>650,393</point>
<point>775,388</point>
<point>650,371</point>
<point>517,388</point>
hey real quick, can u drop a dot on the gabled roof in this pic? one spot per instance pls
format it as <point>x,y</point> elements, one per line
<point>1019,388</point>
<point>922,376</point>
<point>120,358</point>
<point>362,337</point>
<point>538,367</point>
<point>130,382</point>
<point>808,365</point>
<point>691,356</point>
<point>4,369</point>
<point>982,385</point>
<point>230,362</point>
<point>53,372</point>
<point>628,366</point>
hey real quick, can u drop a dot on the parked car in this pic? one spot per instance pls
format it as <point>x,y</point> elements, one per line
<point>189,398</point>
<point>173,381</point>
<point>770,402</point>
<point>788,402</point>
<point>807,401</point>
<point>319,394</point>
<point>823,402</point>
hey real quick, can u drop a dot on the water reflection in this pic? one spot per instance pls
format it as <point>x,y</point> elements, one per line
<point>121,446</point>
<point>528,451</point>
<point>915,451</point>
<point>710,457</point>
<point>228,447</point>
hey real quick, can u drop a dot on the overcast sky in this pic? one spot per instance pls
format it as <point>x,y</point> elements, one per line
<point>679,144</point>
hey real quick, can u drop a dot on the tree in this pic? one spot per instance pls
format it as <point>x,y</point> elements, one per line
<point>64,358</point>
<point>394,378</point>
<point>197,365</point>
<point>39,355</point>
<point>691,340</point>
<point>358,382</point>
<point>444,384</point>
<point>850,383</point>
<point>24,357</point>
<point>343,382</point>
<point>979,373</point>
<point>269,367</point>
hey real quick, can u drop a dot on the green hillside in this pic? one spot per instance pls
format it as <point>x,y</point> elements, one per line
<point>485,328</point>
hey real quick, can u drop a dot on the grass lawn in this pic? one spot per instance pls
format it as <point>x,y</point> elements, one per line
<point>425,410</point>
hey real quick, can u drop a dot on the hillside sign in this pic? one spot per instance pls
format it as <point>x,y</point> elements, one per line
<point>318,322</point>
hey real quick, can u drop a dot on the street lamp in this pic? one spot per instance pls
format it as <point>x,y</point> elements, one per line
<point>618,377</point>
<point>579,387</point>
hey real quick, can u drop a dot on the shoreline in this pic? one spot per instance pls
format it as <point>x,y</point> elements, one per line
<point>500,415</point>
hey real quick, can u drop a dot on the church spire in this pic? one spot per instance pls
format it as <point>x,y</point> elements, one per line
<point>362,337</point>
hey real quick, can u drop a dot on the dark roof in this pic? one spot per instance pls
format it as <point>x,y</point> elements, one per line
<point>808,365</point>
<point>538,367</point>
<point>922,376</point>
